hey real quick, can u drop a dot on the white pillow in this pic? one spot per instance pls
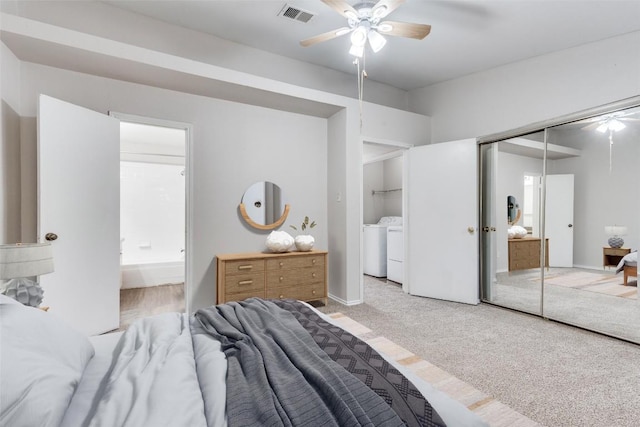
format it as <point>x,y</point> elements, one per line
<point>41,362</point>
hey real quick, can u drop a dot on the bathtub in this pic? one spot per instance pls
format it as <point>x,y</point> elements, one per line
<point>151,274</point>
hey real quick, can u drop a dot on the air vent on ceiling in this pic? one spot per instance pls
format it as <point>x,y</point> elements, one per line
<point>295,13</point>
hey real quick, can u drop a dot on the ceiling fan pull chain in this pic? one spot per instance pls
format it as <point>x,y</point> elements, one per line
<point>610,151</point>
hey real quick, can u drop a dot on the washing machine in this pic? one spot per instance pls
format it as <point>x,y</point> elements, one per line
<point>375,246</point>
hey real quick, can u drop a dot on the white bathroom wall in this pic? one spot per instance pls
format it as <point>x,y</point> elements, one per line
<point>152,212</point>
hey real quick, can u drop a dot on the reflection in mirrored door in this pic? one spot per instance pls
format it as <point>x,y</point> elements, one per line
<point>511,237</point>
<point>582,287</point>
<point>559,211</point>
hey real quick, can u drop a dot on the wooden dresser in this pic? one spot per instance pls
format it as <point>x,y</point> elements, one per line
<point>297,275</point>
<point>525,253</point>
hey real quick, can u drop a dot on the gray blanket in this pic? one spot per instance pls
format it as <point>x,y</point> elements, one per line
<point>277,375</point>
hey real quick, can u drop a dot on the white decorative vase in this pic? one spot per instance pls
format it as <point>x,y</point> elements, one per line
<point>304,243</point>
<point>279,241</point>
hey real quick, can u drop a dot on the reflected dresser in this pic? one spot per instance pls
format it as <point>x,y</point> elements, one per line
<point>525,253</point>
<point>297,275</point>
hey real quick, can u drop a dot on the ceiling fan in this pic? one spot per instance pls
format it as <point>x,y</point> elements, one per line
<point>610,122</point>
<point>365,22</point>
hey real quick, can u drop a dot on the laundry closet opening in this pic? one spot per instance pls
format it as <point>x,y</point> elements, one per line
<point>152,220</point>
<point>382,214</point>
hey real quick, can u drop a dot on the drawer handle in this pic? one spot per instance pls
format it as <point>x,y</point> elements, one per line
<point>313,261</point>
<point>281,278</point>
<point>313,274</point>
<point>313,292</point>
<point>281,296</point>
<point>245,282</point>
<point>281,264</point>
<point>245,267</point>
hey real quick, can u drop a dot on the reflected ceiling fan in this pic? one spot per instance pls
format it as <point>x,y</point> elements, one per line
<point>612,122</point>
<point>365,22</point>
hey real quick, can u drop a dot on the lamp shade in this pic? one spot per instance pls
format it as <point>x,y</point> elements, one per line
<point>615,230</point>
<point>25,260</point>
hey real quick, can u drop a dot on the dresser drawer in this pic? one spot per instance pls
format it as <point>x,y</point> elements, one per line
<point>238,283</point>
<point>299,276</point>
<point>244,266</point>
<point>303,292</point>
<point>295,262</point>
<point>244,295</point>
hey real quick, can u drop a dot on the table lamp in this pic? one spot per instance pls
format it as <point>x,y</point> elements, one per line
<point>19,263</point>
<point>615,231</point>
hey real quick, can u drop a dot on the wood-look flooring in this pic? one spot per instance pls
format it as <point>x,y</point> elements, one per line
<point>137,303</point>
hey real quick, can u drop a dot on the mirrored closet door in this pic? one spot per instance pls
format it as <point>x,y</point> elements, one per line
<point>560,223</point>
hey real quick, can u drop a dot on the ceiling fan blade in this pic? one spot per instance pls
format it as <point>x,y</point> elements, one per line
<point>342,7</point>
<point>591,126</point>
<point>404,29</point>
<point>325,36</point>
<point>388,5</point>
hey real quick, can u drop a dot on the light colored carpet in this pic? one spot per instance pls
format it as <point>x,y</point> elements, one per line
<point>552,373</point>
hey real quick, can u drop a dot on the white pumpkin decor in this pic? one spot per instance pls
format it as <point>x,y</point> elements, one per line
<point>279,241</point>
<point>304,242</point>
<point>516,232</point>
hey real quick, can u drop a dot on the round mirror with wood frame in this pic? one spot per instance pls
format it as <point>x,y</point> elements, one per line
<point>263,206</point>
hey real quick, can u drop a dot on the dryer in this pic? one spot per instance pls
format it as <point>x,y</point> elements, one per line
<point>395,253</point>
<point>375,245</point>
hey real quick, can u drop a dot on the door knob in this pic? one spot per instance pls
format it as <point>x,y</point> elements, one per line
<point>471,229</point>
<point>570,225</point>
<point>485,229</point>
<point>50,237</point>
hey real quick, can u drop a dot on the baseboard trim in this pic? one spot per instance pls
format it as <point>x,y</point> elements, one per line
<point>345,302</point>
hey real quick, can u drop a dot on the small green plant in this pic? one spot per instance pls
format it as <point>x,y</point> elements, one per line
<point>305,224</point>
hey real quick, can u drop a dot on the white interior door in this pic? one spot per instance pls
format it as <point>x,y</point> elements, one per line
<point>442,218</point>
<point>78,200</point>
<point>559,219</point>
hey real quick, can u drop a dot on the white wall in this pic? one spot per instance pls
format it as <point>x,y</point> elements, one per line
<point>10,171</point>
<point>392,181</point>
<point>533,90</point>
<point>602,198</point>
<point>103,20</point>
<point>234,145</point>
<point>372,204</point>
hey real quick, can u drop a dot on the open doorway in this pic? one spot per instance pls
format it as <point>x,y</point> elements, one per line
<point>152,219</point>
<point>382,213</point>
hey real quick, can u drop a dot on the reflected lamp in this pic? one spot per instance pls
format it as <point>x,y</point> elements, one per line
<point>19,263</point>
<point>615,232</point>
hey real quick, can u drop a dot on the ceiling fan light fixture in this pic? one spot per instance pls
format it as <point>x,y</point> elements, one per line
<point>611,125</point>
<point>357,50</point>
<point>616,125</point>
<point>376,41</point>
<point>359,36</point>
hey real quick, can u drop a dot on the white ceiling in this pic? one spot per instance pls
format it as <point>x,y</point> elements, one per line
<point>466,36</point>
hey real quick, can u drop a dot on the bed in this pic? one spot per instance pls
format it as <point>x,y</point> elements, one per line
<point>629,266</point>
<point>255,362</point>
